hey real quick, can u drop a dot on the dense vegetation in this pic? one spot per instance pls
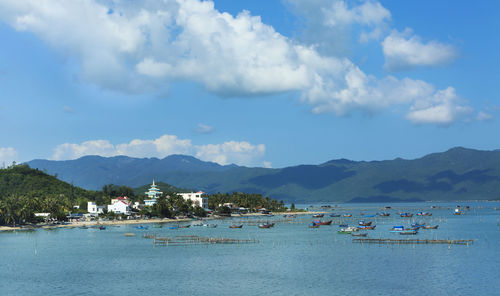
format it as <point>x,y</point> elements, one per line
<point>25,191</point>
<point>245,200</point>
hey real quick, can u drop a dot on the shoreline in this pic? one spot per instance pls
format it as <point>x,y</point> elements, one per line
<point>141,221</point>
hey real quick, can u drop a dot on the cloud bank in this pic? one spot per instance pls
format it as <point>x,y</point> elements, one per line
<point>241,153</point>
<point>143,46</point>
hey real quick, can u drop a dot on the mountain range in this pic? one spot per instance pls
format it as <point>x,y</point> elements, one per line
<point>457,174</point>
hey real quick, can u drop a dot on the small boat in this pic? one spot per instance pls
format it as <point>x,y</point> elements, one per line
<point>102,227</point>
<point>408,232</point>
<point>313,225</point>
<point>335,215</point>
<point>384,214</point>
<point>318,215</point>
<point>367,227</point>
<point>359,234</point>
<point>198,224</point>
<point>343,225</point>
<point>174,227</point>
<point>344,231</point>
<point>457,212</point>
<point>406,215</point>
<point>418,225</point>
<point>319,222</point>
<point>347,215</point>
<point>236,226</point>
<point>348,230</point>
<point>397,229</point>
<point>142,227</point>
<point>424,214</point>
<point>158,226</point>
<point>266,225</point>
<point>184,226</point>
<point>210,225</point>
<point>363,223</point>
<point>368,216</point>
<point>83,227</point>
<point>430,227</point>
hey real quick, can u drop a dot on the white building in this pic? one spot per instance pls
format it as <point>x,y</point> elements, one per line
<point>153,193</point>
<point>94,209</point>
<point>120,198</point>
<point>120,207</point>
<point>196,198</point>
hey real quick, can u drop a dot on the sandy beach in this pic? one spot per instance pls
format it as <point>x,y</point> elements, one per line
<point>140,221</point>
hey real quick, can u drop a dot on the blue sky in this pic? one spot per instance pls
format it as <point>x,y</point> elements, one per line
<point>256,83</point>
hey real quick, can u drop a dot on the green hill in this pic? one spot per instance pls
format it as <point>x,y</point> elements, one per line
<point>23,180</point>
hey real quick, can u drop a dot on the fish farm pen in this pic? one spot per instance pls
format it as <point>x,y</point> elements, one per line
<point>184,240</point>
<point>412,241</point>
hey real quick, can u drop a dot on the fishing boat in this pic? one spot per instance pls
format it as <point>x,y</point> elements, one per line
<point>363,223</point>
<point>359,234</point>
<point>398,228</point>
<point>406,215</point>
<point>384,214</point>
<point>424,214</point>
<point>408,232</point>
<point>457,212</point>
<point>318,215</point>
<point>348,230</point>
<point>367,227</point>
<point>417,225</point>
<point>313,225</point>
<point>266,225</point>
<point>319,222</point>
<point>344,231</point>
<point>236,226</point>
<point>430,227</point>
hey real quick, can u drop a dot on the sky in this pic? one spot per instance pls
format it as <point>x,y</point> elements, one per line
<point>261,83</point>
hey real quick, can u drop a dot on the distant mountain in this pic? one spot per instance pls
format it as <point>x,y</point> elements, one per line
<point>457,174</point>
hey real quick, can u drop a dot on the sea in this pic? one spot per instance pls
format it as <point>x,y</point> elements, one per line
<point>287,259</point>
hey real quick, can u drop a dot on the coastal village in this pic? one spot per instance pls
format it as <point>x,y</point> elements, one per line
<point>122,205</point>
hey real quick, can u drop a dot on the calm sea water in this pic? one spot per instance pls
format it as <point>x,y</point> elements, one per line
<point>290,259</point>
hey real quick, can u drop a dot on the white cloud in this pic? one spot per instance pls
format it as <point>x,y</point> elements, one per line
<point>7,156</point>
<point>204,129</point>
<point>483,116</point>
<point>241,153</point>
<point>406,50</point>
<point>142,46</point>
<point>328,23</point>
<point>231,152</point>
<point>442,108</point>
